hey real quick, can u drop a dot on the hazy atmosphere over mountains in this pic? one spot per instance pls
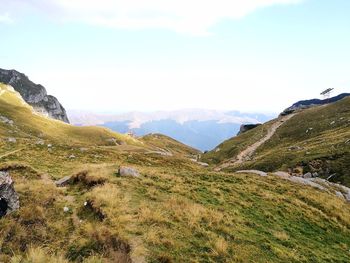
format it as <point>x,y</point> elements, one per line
<point>201,129</point>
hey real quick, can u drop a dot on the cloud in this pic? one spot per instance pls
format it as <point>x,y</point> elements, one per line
<point>6,19</point>
<point>194,17</point>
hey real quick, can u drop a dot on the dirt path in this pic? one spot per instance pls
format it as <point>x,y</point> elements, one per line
<point>10,153</point>
<point>246,154</point>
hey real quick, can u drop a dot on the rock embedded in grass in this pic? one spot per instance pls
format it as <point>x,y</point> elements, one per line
<point>260,173</point>
<point>63,181</point>
<point>9,200</point>
<point>125,171</point>
<point>11,140</point>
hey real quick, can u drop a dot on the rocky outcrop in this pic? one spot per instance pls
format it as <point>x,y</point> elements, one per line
<point>34,94</point>
<point>246,127</point>
<point>304,104</point>
<point>9,200</point>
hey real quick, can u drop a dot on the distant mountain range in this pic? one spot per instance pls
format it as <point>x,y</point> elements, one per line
<point>201,129</point>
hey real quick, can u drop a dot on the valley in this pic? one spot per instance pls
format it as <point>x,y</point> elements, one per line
<point>76,207</point>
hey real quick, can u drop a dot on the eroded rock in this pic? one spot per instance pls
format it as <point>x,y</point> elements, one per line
<point>128,172</point>
<point>9,200</point>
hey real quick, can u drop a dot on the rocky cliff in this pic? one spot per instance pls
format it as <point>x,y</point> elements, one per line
<point>34,94</point>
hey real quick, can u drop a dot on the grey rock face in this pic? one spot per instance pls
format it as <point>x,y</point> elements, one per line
<point>128,171</point>
<point>9,200</point>
<point>34,94</point>
<point>246,127</point>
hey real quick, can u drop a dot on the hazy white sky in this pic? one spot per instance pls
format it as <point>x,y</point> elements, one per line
<point>113,55</point>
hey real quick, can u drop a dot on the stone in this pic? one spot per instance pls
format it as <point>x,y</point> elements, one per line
<point>125,171</point>
<point>260,173</point>
<point>307,175</point>
<point>40,142</point>
<point>6,120</point>
<point>295,148</point>
<point>63,181</point>
<point>11,140</point>
<point>282,174</point>
<point>72,156</point>
<point>66,209</point>
<point>49,146</point>
<point>203,164</point>
<point>339,194</point>
<point>9,200</point>
<point>246,127</point>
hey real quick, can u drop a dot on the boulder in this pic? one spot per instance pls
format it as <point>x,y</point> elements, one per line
<point>40,142</point>
<point>11,140</point>
<point>63,181</point>
<point>6,120</point>
<point>9,200</point>
<point>128,172</point>
<point>203,164</point>
<point>339,194</point>
<point>246,127</point>
<point>295,148</point>
<point>284,175</point>
<point>260,173</point>
<point>307,175</point>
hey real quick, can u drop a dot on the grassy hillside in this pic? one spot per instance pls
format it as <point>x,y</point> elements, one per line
<point>176,211</point>
<point>169,144</point>
<point>232,147</point>
<point>315,140</point>
<point>28,125</point>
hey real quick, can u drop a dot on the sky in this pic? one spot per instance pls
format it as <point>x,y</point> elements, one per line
<point>147,55</point>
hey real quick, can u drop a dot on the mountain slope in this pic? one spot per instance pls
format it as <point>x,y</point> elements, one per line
<point>314,140</point>
<point>28,124</point>
<point>167,145</point>
<point>34,94</point>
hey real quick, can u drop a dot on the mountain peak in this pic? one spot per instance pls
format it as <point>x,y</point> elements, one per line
<point>34,94</point>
